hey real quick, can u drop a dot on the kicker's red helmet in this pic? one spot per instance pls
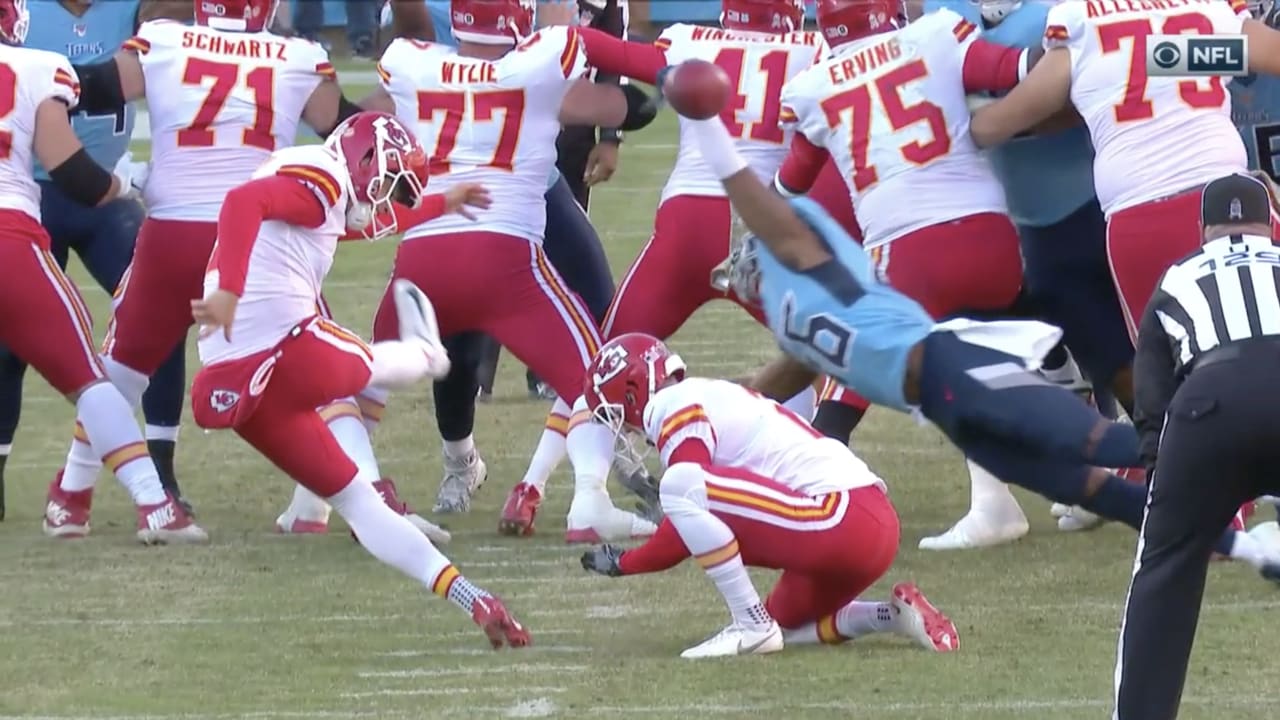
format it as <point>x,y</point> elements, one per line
<point>843,21</point>
<point>773,16</point>
<point>236,15</point>
<point>625,374</point>
<point>492,22</point>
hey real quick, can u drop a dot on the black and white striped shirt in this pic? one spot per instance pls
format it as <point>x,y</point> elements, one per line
<point>1226,292</point>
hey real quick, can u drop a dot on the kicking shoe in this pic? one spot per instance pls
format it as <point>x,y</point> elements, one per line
<point>498,624</point>
<point>520,510</point>
<point>737,640</point>
<point>66,514</point>
<point>607,525</point>
<point>977,530</point>
<point>921,621</point>
<point>462,478</point>
<point>417,319</point>
<point>167,523</point>
<point>289,523</point>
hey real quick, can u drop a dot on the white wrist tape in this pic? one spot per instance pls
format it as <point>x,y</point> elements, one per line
<point>717,148</point>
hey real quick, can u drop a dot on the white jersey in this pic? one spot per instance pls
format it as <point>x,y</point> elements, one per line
<point>758,65</point>
<point>288,264</point>
<point>1152,136</point>
<point>491,122</point>
<point>32,76</point>
<point>747,431</point>
<point>220,103</point>
<point>891,110</point>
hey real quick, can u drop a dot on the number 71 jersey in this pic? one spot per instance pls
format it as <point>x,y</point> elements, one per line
<point>220,104</point>
<point>758,65</point>
<point>1153,136</point>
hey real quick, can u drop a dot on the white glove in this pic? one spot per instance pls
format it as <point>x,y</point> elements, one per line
<point>131,175</point>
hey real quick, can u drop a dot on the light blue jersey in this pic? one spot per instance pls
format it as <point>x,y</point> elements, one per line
<point>90,38</point>
<point>1036,198</point>
<point>1255,109</point>
<point>864,345</point>
<point>439,10</point>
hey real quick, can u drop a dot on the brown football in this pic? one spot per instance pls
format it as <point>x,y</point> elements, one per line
<point>697,89</point>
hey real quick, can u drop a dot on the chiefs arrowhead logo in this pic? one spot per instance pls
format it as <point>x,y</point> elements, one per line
<point>223,400</point>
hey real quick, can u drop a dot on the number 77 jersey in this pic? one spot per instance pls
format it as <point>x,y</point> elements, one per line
<point>1153,136</point>
<point>758,65</point>
<point>220,103</point>
<point>891,111</point>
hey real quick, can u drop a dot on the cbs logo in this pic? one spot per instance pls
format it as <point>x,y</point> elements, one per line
<point>1166,55</point>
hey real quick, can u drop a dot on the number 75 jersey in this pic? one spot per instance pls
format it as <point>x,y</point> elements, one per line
<point>220,104</point>
<point>758,65</point>
<point>891,111</point>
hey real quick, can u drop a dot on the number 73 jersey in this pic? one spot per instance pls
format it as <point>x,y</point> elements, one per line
<point>220,104</point>
<point>891,111</point>
<point>1153,136</point>
<point>758,64</point>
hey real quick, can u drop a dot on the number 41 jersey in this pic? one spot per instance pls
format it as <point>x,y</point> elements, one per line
<point>220,104</point>
<point>758,64</point>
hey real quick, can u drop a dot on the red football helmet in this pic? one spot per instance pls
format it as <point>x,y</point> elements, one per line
<point>386,165</point>
<point>14,21</point>
<point>236,15</point>
<point>622,377</point>
<point>843,21</point>
<point>771,16</point>
<point>492,22</point>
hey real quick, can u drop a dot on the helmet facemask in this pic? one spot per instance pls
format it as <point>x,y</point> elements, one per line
<point>744,269</point>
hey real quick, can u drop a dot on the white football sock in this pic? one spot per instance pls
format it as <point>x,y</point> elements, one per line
<point>83,464</point>
<point>394,540</point>
<point>1247,548</point>
<point>397,363</point>
<point>712,544</point>
<point>131,383</point>
<point>854,620</point>
<point>460,450</point>
<point>590,448</point>
<point>163,433</point>
<point>552,447</point>
<point>991,497</point>
<point>114,436</point>
<point>803,403</point>
<point>372,402</point>
<point>343,418</point>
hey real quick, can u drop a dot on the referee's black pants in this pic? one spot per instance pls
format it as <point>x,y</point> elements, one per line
<point>1219,448</point>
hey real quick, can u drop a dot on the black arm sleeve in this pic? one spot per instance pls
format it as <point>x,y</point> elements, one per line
<point>610,20</point>
<point>100,91</point>
<point>82,179</point>
<point>1155,380</point>
<point>641,110</point>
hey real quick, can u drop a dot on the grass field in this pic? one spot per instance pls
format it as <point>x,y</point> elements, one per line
<point>261,626</point>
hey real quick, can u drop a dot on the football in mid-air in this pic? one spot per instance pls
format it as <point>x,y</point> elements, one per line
<point>697,89</point>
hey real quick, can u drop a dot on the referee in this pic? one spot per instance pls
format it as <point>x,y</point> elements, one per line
<point>1207,376</point>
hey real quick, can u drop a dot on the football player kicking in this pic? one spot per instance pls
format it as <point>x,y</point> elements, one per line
<point>43,319</point>
<point>972,379</point>
<point>750,483</point>
<point>223,94</point>
<point>270,359</point>
<point>491,110</point>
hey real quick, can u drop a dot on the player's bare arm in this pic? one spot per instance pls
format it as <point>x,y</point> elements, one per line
<point>784,377</point>
<point>410,19</point>
<point>1264,47</point>
<point>1045,91</point>
<point>328,107</point>
<point>179,10</point>
<point>378,101</point>
<point>70,167</point>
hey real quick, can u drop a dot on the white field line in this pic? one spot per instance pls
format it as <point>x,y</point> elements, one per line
<point>495,690</point>
<point>429,672</point>
<point>480,652</point>
<point>466,709</point>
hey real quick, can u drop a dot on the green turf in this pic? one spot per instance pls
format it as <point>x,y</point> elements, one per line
<point>260,626</point>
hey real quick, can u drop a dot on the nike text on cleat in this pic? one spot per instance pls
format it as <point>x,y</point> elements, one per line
<point>921,621</point>
<point>461,480</point>
<point>498,625</point>
<point>520,510</point>
<point>737,640</point>
<point>66,514</point>
<point>167,523</point>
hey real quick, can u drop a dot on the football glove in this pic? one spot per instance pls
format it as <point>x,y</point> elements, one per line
<point>131,175</point>
<point>603,560</point>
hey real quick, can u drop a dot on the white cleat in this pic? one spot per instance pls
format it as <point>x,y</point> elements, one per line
<point>1268,535</point>
<point>919,620</point>
<point>461,480</point>
<point>978,530</point>
<point>1073,518</point>
<point>417,319</point>
<point>436,534</point>
<point>737,640</point>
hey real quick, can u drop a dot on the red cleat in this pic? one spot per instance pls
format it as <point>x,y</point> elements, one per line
<point>520,510</point>
<point>167,523</point>
<point>498,625</point>
<point>921,621</point>
<point>66,514</point>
